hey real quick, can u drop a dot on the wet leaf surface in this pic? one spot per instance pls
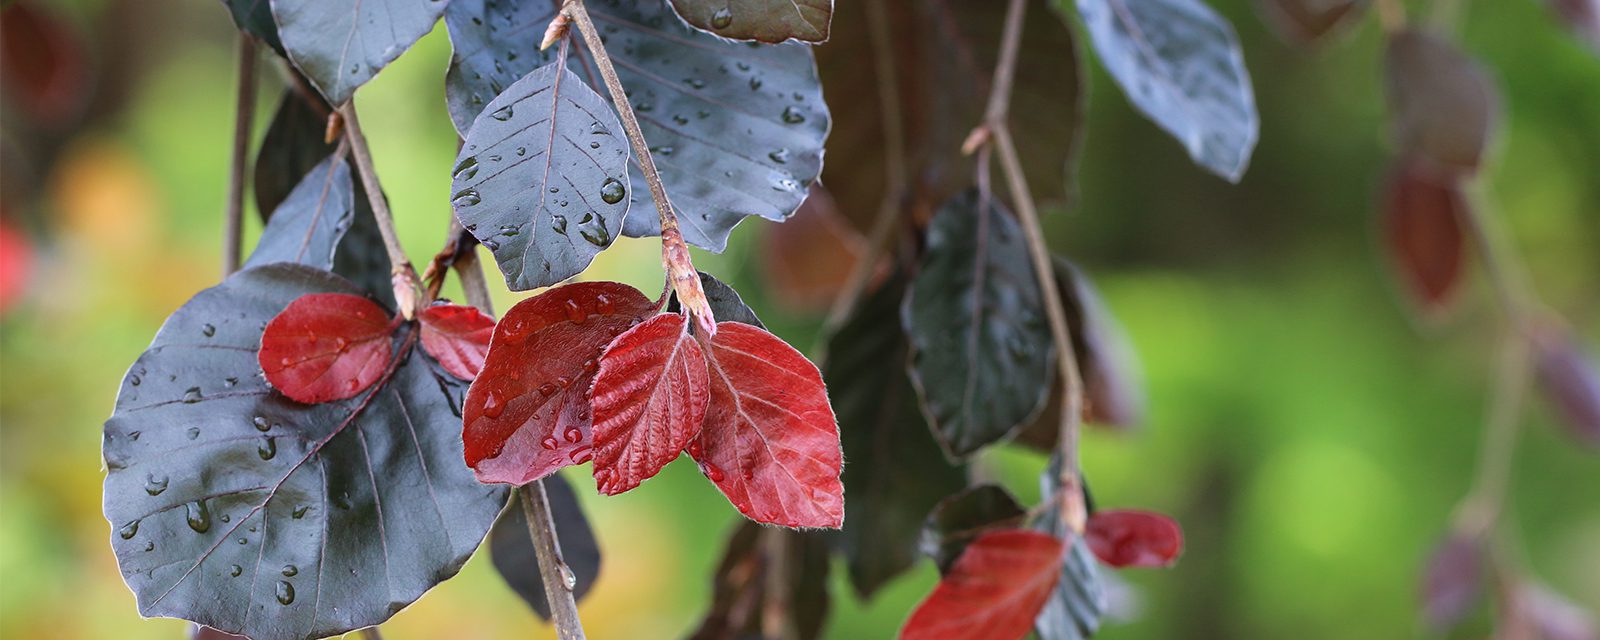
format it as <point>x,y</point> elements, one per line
<point>242,510</point>
<point>993,591</point>
<point>511,551</point>
<point>326,346</point>
<point>528,412</point>
<point>542,178</point>
<point>1080,598</point>
<point>1442,104</point>
<point>457,337</point>
<point>649,401</point>
<point>769,21</point>
<point>341,44</point>
<point>981,359</point>
<point>736,129</point>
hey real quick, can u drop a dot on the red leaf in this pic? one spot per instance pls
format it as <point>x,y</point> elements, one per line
<point>326,346</point>
<point>808,258</point>
<point>649,401</point>
<point>1453,581</point>
<point>770,441</point>
<point>1572,382</point>
<point>527,414</point>
<point>1423,234</point>
<point>16,265</point>
<point>993,591</point>
<point>456,336</point>
<point>1128,538</point>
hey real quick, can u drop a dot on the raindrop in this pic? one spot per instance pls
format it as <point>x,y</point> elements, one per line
<point>154,484</point>
<point>285,593</point>
<point>226,518</point>
<point>522,151</point>
<point>129,530</point>
<point>502,114</point>
<point>575,313</point>
<point>490,245</point>
<point>508,230</point>
<point>792,115</point>
<point>192,395</point>
<point>230,382</point>
<point>467,168</point>
<point>208,330</point>
<point>547,389</point>
<point>612,191</point>
<point>712,472</point>
<point>261,424</point>
<point>290,570</point>
<point>268,448</point>
<point>573,435</point>
<point>235,570</point>
<point>549,444</point>
<point>604,304</point>
<point>558,223</point>
<point>568,578</point>
<point>466,198</point>
<point>342,500</point>
<point>493,406</point>
<point>149,545</point>
<point>596,235</point>
<point>779,155</point>
<point>695,82</point>
<point>722,18</point>
<point>194,432</point>
<point>594,145</point>
<point>199,516</point>
<point>300,511</point>
<point>755,83</point>
<point>134,380</point>
<point>581,455</point>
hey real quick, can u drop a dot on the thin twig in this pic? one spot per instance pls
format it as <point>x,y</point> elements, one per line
<point>777,621</point>
<point>674,252</point>
<point>244,117</point>
<point>553,571</point>
<point>370,633</point>
<point>408,287</point>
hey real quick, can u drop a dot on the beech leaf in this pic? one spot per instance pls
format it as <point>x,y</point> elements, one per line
<point>981,358</point>
<point>1422,226</point>
<point>341,44</point>
<point>1179,63</point>
<point>769,21</point>
<point>1079,599</point>
<point>1129,538</point>
<point>725,303</point>
<point>808,258</point>
<point>291,148</point>
<point>310,222</point>
<point>513,556</point>
<point>542,178</point>
<point>457,337</point>
<point>770,442</point>
<point>735,129</point>
<point>239,509</point>
<point>649,400</point>
<point>1452,582</point>
<point>255,18</point>
<point>961,518</point>
<point>1443,106</point>
<point>993,591</point>
<point>326,346</point>
<point>528,412</point>
<point>1570,378</point>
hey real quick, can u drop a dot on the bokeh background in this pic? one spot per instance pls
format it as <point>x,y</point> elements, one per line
<point>1309,435</point>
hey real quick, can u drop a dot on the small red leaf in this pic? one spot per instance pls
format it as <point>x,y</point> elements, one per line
<point>1452,581</point>
<point>1128,538</point>
<point>326,346</point>
<point>649,401</point>
<point>456,336</point>
<point>527,414</point>
<point>1572,382</point>
<point>994,591</point>
<point>1423,234</point>
<point>770,441</point>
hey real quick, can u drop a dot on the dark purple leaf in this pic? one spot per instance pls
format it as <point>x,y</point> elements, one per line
<point>959,519</point>
<point>1442,105</point>
<point>341,44</point>
<point>1452,581</point>
<point>1571,379</point>
<point>291,148</point>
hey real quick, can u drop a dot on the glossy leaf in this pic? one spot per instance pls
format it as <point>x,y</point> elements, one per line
<point>1080,598</point>
<point>511,550</point>
<point>725,303</point>
<point>961,518</point>
<point>542,178</point>
<point>241,510</point>
<point>770,442</point>
<point>981,359</point>
<point>457,337</point>
<point>528,412</point>
<point>993,591</point>
<point>808,258</point>
<point>735,129</point>
<point>769,21</point>
<point>1179,63</point>
<point>326,346</point>
<point>291,148</point>
<point>1423,220</point>
<point>309,224</point>
<point>341,44</point>
<point>255,18</point>
<point>1570,378</point>
<point>1442,105</point>
<point>1129,538</point>
<point>1307,21</point>
<point>361,256</point>
<point>897,472</point>
<point>738,588</point>
<point>1453,581</point>
<point>649,401</point>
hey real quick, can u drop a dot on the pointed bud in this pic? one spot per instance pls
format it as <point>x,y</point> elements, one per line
<point>555,32</point>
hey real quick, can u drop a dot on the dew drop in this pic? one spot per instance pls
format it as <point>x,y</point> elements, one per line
<point>493,405</point>
<point>300,511</point>
<point>134,380</point>
<point>779,155</point>
<point>261,424</point>
<point>285,593</point>
<point>155,484</point>
<point>502,114</point>
<point>594,145</point>
<point>267,448</point>
<point>755,84</point>
<point>604,304</point>
<point>149,545</point>
<point>792,115</point>
<point>575,313</point>
<point>568,578</point>
<point>558,223</point>
<point>490,245</point>
<point>712,471</point>
<point>547,389</point>
<point>612,191</point>
<point>199,516</point>
<point>466,198</point>
<point>573,435</point>
<point>129,530</point>
<point>467,168</point>
<point>235,570</point>
<point>581,455</point>
<point>194,432</point>
<point>192,395</point>
<point>722,18</point>
<point>226,518</point>
<point>290,570</point>
<point>208,330</point>
<point>549,443</point>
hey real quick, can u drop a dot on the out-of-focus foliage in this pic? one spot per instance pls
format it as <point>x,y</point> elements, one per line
<point>1311,440</point>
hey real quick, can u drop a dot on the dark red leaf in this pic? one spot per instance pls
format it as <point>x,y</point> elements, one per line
<point>1422,227</point>
<point>649,401</point>
<point>326,346</point>
<point>1453,581</point>
<point>456,336</point>
<point>1572,382</point>
<point>1443,106</point>
<point>1128,538</point>
<point>43,64</point>
<point>527,414</point>
<point>993,591</point>
<point>808,258</point>
<point>770,442</point>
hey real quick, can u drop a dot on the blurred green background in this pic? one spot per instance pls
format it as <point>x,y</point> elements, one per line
<point>1311,438</point>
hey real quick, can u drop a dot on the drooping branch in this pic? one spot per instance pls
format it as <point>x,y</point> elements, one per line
<point>407,286</point>
<point>244,116</point>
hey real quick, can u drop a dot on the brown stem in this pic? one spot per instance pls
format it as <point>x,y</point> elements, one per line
<point>244,116</point>
<point>408,287</point>
<point>777,623</point>
<point>370,633</point>
<point>552,569</point>
<point>674,252</point>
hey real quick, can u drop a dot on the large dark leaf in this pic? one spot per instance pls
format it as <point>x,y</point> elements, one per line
<point>1443,105</point>
<point>738,589</point>
<point>542,178</point>
<point>512,552</point>
<point>736,129</point>
<point>1179,62</point>
<point>292,146</point>
<point>241,510</point>
<point>255,18</point>
<point>896,472</point>
<point>981,356</point>
<point>961,518</point>
<point>1074,610</point>
<point>341,44</point>
<point>769,21</point>
<point>310,223</point>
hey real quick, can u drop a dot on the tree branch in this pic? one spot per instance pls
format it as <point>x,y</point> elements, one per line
<point>407,286</point>
<point>557,576</point>
<point>674,252</point>
<point>244,117</point>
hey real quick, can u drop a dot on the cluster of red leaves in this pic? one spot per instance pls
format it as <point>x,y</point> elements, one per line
<point>331,346</point>
<point>591,371</point>
<point>996,589</point>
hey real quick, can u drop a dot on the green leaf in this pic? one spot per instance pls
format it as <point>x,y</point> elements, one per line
<point>341,44</point>
<point>896,473</point>
<point>981,360</point>
<point>769,21</point>
<point>542,178</point>
<point>241,510</point>
<point>736,129</point>
<point>1179,62</point>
